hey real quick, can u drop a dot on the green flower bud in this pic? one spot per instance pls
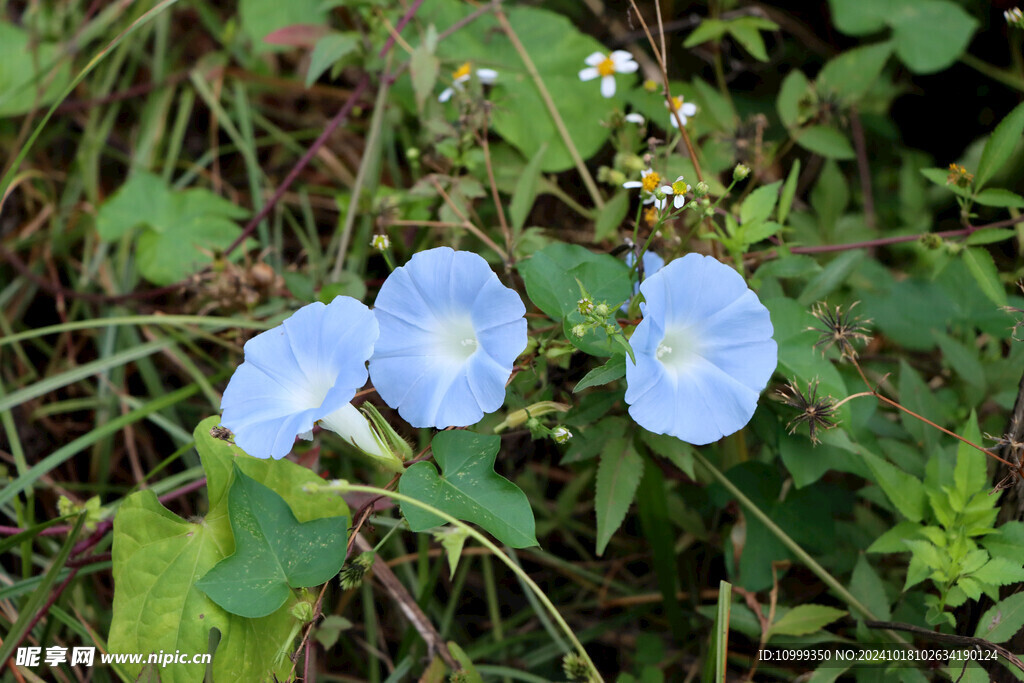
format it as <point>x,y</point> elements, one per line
<point>740,172</point>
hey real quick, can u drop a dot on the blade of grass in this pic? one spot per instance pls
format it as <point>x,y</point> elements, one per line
<point>31,606</point>
<point>722,630</point>
<point>64,453</point>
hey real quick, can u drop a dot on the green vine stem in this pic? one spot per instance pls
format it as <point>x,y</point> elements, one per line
<point>342,486</point>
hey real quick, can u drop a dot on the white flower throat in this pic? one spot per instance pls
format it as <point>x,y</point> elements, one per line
<point>679,348</point>
<point>457,339</point>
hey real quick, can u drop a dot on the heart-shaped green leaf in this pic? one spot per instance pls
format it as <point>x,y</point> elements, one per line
<point>274,552</point>
<point>468,489</point>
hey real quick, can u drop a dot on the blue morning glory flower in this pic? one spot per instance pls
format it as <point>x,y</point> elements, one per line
<point>297,373</point>
<point>450,333</point>
<point>704,352</point>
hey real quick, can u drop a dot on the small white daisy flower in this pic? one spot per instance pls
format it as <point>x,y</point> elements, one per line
<point>648,183</point>
<point>685,109</point>
<point>678,190</point>
<point>606,66</point>
<point>1014,17</point>
<point>638,119</point>
<point>463,74</point>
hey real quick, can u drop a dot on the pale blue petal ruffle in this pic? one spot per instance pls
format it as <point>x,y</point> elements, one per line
<point>450,334</point>
<point>296,373</point>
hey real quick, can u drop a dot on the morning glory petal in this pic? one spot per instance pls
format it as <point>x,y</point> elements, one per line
<point>450,334</point>
<point>297,373</point>
<point>703,351</point>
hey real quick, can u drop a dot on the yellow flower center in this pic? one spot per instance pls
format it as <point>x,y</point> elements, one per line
<point>650,182</point>
<point>680,187</point>
<point>607,67</point>
<point>461,72</point>
<point>651,216</point>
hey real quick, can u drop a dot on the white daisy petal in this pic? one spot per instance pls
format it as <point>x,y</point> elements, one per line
<point>589,74</point>
<point>445,95</point>
<point>635,118</point>
<point>487,76</point>
<point>594,58</point>
<point>608,86</point>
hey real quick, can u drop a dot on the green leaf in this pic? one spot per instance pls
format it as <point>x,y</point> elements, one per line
<point>831,277</point>
<point>939,177</point>
<point>747,32</point>
<point>788,192</point>
<point>904,491</point>
<point>983,268</point>
<point>1000,145</point>
<point>557,48</point>
<point>758,206</point>
<point>526,191</point>
<point>709,29</point>
<point>1003,620</point>
<point>970,475</point>
<point>157,558</point>
<point>804,619</point>
<point>1001,198</point>
<point>718,107</point>
<point>860,17</point>
<point>867,586</point>
<point>260,17</point>
<point>963,360</point>
<point>930,34</point>
<point>551,277</point>
<point>825,141</point>
<point>609,372</point>
<point>892,541</point>
<point>794,86</point>
<point>989,236</point>
<point>336,46</point>
<point>611,216</point>
<point>183,228</point>
<point>851,73</point>
<point>917,396</point>
<point>468,489</point>
<point>618,476</point>
<point>274,552</point>
<point>1000,571</point>
<point>31,74</point>
<point>424,67</point>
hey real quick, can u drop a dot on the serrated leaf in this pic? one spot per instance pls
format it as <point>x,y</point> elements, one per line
<point>804,619</point>
<point>983,268</point>
<point>1003,620</point>
<point>618,476</point>
<point>905,492</point>
<point>1001,198</point>
<point>709,29</point>
<point>962,359</point>
<point>274,552</point>
<point>851,73</point>
<point>748,34</point>
<point>468,489</point>
<point>609,372</point>
<point>970,475</point>
<point>892,540</point>
<point>939,177</point>
<point>526,191</point>
<point>1000,145</point>
<point>999,571</point>
<point>758,206</point>
<point>989,236</point>
<point>825,141</point>
<point>867,586</point>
